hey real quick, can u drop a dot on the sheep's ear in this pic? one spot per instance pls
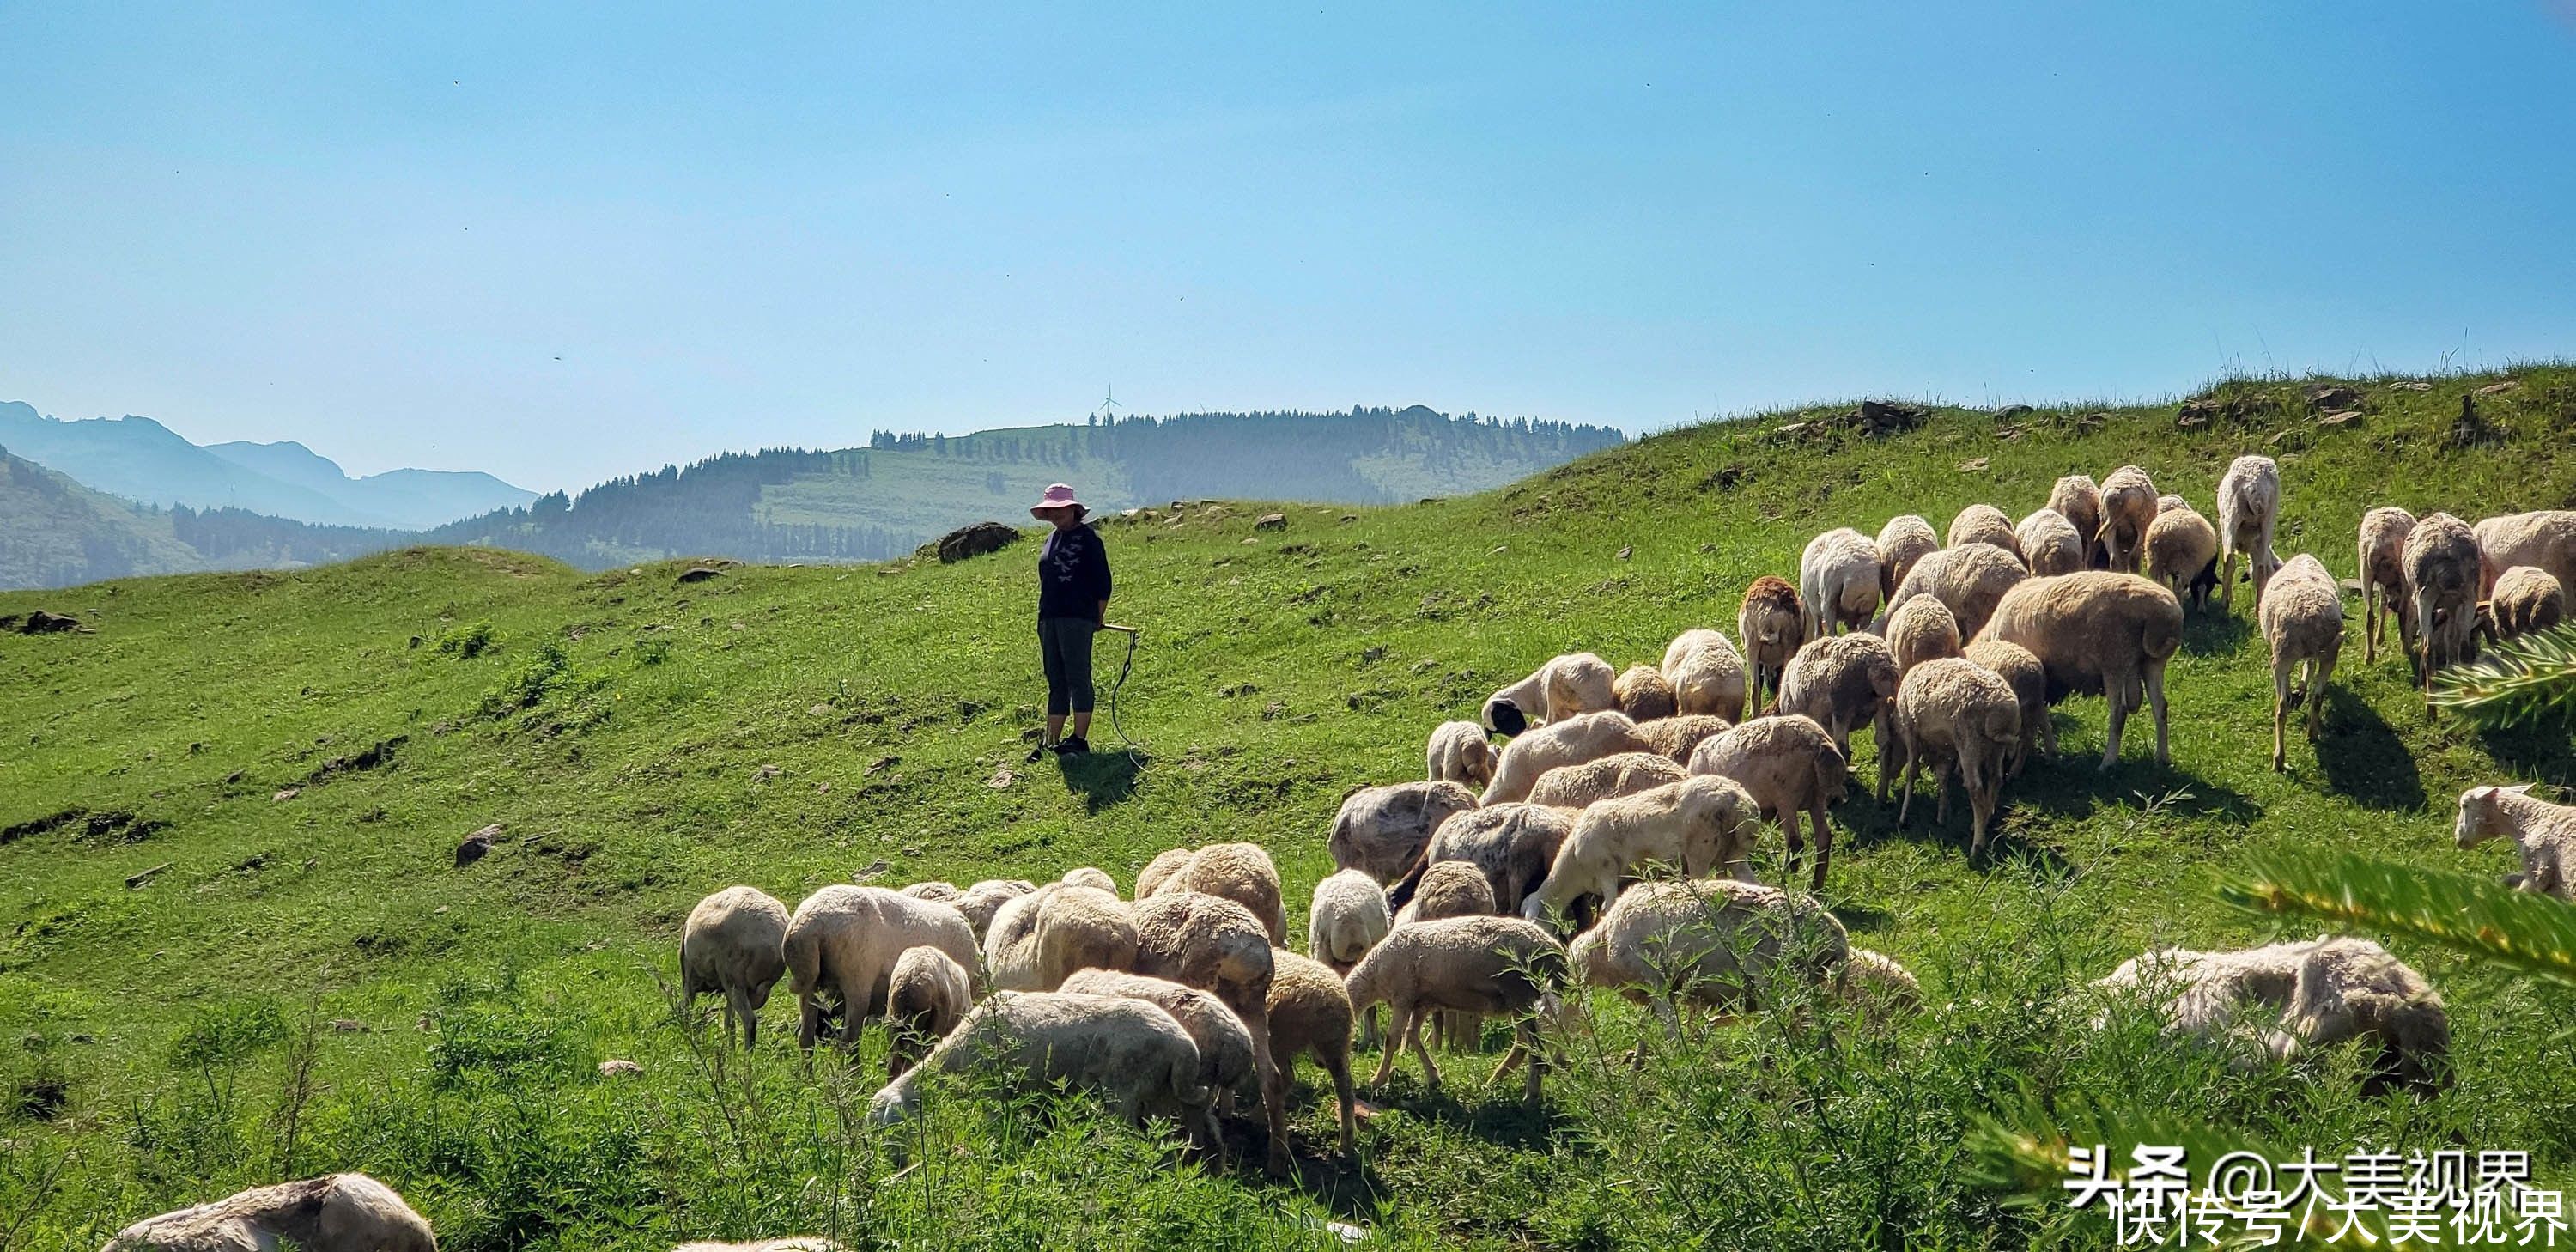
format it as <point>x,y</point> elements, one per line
<point>2521,790</point>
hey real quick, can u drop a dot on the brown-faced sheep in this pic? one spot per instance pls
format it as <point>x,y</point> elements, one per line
<point>1040,939</point>
<point>1513,844</point>
<point>1700,825</point>
<point>2249,506</point>
<point>1381,830</point>
<point>1577,682</point>
<point>1484,965</point>
<point>2441,590</point>
<point>1984,523</point>
<point>1958,717</point>
<point>1583,737</point>
<point>734,945</point>
<point>2023,673</point>
<point>334,1213</point>
<point>1310,1015</point>
<point>1675,736</point>
<point>2050,543</point>
<point>847,939</point>
<point>926,995</point>
<point>1920,630</point>
<point>1789,765</point>
<point>2545,540</point>
<point>1967,581</point>
<point>1838,578</point>
<point>1620,774</point>
<point>1905,539</point>
<point>2302,617</point>
<point>1462,753</point>
<point>2098,631</point>
<point>2079,500</point>
<point>1241,872</point>
<point>2383,578</point>
<point>1707,674</point>
<point>2545,832</point>
<point>1842,682</point>
<point>2527,598</point>
<point>1773,625</point>
<point>1130,1053</point>
<point>1643,693</point>
<point>2128,508</point>
<point>1217,945</point>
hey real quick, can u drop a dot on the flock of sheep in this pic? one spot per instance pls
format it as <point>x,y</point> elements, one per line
<point>1614,800</point>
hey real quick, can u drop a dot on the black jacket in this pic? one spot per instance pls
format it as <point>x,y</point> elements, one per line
<point>1073,574</point>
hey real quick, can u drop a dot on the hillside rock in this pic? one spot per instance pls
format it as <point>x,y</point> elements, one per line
<point>973,541</point>
<point>41,622</point>
<point>1270,521</point>
<point>700,573</point>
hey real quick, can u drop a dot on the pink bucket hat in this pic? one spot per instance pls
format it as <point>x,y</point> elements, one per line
<point>1057,496</point>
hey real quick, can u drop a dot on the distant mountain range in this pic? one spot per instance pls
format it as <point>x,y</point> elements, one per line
<point>54,532</point>
<point>144,461</point>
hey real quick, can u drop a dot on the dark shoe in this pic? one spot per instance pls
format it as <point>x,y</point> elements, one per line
<point>1072,745</point>
<point>1038,753</point>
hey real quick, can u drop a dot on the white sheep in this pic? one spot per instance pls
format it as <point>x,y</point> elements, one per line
<point>2249,506</point>
<point>2382,563</point>
<point>2128,508</point>
<point>1040,939</point>
<point>1130,1053</point>
<point>1090,876</point>
<point>2050,543</point>
<point>1217,945</point>
<point>2302,616</point>
<point>1619,774</point>
<point>1719,943</point>
<point>2028,679</point>
<point>1957,716</point>
<point>1160,870</point>
<point>2078,499</point>
<point>848,938</point>
<point>1700,825</point>
<point>1675,736</point>
<point>1583,737</point>
<point>2545,832</point>
<point>2098,631</point>
<point>1224,1042</point>
<point>1789,765</point>
<point>2182,553</point>
<point>2526,599</point>
<point>1577,682</point>
<point>1841,682</point>
<point>1772,622</point>
<point>1922,629</point>
<point>936,892</point>
<point>1348,916</point>
<point>1984,523</point>
<point>1967,581</point>
<point>1241,872</point>
<point>1905,539</point>
<point>1484,965</point>
<point>1838,577</point>
<point>926,995</point>
<point>983,899</point>
<point>2324,992</point>
<point>333,1213</point>
<point>1513,844</point>
<point>1310,1015</point>
<point>1644,694</point>
<point>1447,889</point>
<point>2441,591</point>
<point>2545,540</point>
<point>1707,674</point>
<point>1462,753</point>
<point>1382,830</point>
<point>733,945</point>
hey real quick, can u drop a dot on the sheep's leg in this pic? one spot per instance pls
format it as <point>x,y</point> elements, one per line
<point>2227,581</point>
<point>1824,838</point>
<point>738,1008</point>
<point>1337,1062</point>
<point>2369,613</point>
<point>1981,809</point>
<point>1891,751</point>
<point>2281,671</point>
<point>2047,730</point>
<point>1797,842</point>
<point>2156,702</point>
<point>2424,628</point>
<point>1413,1036</point>
<point>809,1020</point>
<point>1941,778</point>
<point>2115,694</point>
<point>2320,672</point>
<point>1368,1026</point>
<point>1399,1023</point>
<point>1911,762</point>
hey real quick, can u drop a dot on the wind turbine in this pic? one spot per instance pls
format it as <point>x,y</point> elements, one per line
<point>1111,403</point>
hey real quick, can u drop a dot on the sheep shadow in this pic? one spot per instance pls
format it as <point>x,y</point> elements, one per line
<point>2542,749</point>
<point>2072,786</point>
<point>1862,821</point>
<point>1103,778</point>
<point>2362,756</point>
<point>1349,1186</point>
<point>2212,632</point>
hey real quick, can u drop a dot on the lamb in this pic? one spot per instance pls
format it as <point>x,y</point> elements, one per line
<point>1842,682</point>
<point>1241,872</point>
<point>1349,916</point>
<point>2383,578</point>
<point>848,938</point>
<point>1967,581</point>
<point>2545,540</point>
<point>2302,617</point>
<point>1719,943</point>
<point>2050,544</point>
<point>2023,673</point>
<point>1675,736</point>
<point>1224,1043</point>
<point>1462,753</point>
<point>2545,832</point>
<point>1217,945</point>
<point>1699,824</point>
<point>2182,554</point>
<point>1583,737</point>
<point>1838,577</point>
<point>1904,540</point>
<point>1513,844</point>
<point>1643,694</point>
<point>1131,1053</point>
<point>2249,505</point>
<point>1448,889</point>
<point>985,898</point>
<point>1921,630</point>
<point>2326,992</point>
<point>1620,774</point>
<point>2128,508</point>
<point>1956,713</point>
<point>1577,682</point>
<point>1789,765</point>
<point>1040,939</point>
<point>2097,631</point>
<point>1984,523</point>
<point>1483,965</point>
<point>1090,876</point>
<point>732,945</point>
<point>1160,870</point>
<point>2077,499</point>
<point>1382,830</point>
<point>2441,585</point>
<point>333,1213</point>
<point>1310,1015</point>
<point>1707,674</point>
<point>2527,599</point>
<point>925,996</point>
<point>1773,625</point>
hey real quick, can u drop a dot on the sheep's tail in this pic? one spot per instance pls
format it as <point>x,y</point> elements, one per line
<point>804,955</point>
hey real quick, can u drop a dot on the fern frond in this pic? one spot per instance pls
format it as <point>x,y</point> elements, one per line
<point>2518,683</point>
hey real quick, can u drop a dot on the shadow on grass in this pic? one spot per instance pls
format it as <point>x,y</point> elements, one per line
<point>1102,778</point>
<point>2214,633</point>
<point>2543,749</point>
<point>2362,756</point>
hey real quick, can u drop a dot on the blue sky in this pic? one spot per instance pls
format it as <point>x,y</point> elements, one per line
<point>375,229</point>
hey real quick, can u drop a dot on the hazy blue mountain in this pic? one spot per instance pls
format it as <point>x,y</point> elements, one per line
<point>412,498</point>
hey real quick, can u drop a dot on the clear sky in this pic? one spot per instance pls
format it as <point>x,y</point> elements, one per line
<point>561,242</point>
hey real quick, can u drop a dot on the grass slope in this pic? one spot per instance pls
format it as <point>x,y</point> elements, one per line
<point>303,751</point>
<point>59,531</point>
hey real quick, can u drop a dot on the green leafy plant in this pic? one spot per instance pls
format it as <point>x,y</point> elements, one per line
<point>2527,681</point>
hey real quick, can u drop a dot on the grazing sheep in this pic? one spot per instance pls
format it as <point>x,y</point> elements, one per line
<point>2325,992</point>
<point>733,945</point>
<point>1483,965</point>
<point>1381,830</point>
<point>1789,765</point>
<point>1842,682</point>
<point>1217,945</point>
<point>1577,682</point>
<point>1241,872</point>
<point>1224,1043</point>
<point>1448,889</point>
<point>1130,1053</point>
<point>936,892</point>
<point>333,1213</point>
<point>2383,578</point>
<point>2077,499</point>
<point>1347,918</point>
<point>1513,844</point>
<point>925,996</point>
<point>2249,505</point>
<point>1583,737</point>
<point>1090,876</point>
<point>1643,694</point>
<point>1675,736</point>
<point>2097,631</point>
<point>1967,581</point>
<point>985,898</point>
<point>2527,599</point>
<point>1773,625</point>
<point>1700,824</point>
<point>1921,630</point>
<point>1984,523</point>
<point>1040,939</point>
<point>2545,540</point>
<point>1160,870</point>
<point>2545,832</point>
<point>2050,543</point>
<point>848,938</point>
<point>1707,674</point>
<point>1462,753</point>
<point>1838,578</point>
<point>2302,616</point>
<point>2182,554</point>
<point>2441,590</point>
<point>2128,508</point>
<point>1310,1015</point>
<point>1957,715</point>
<point>1905,539</point>
<point>1620,774</point>
<point>1879,983</point>
<point>2023,673</point>
<point>1718,943</point>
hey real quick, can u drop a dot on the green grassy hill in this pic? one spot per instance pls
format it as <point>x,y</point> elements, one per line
<point>302,982</point>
